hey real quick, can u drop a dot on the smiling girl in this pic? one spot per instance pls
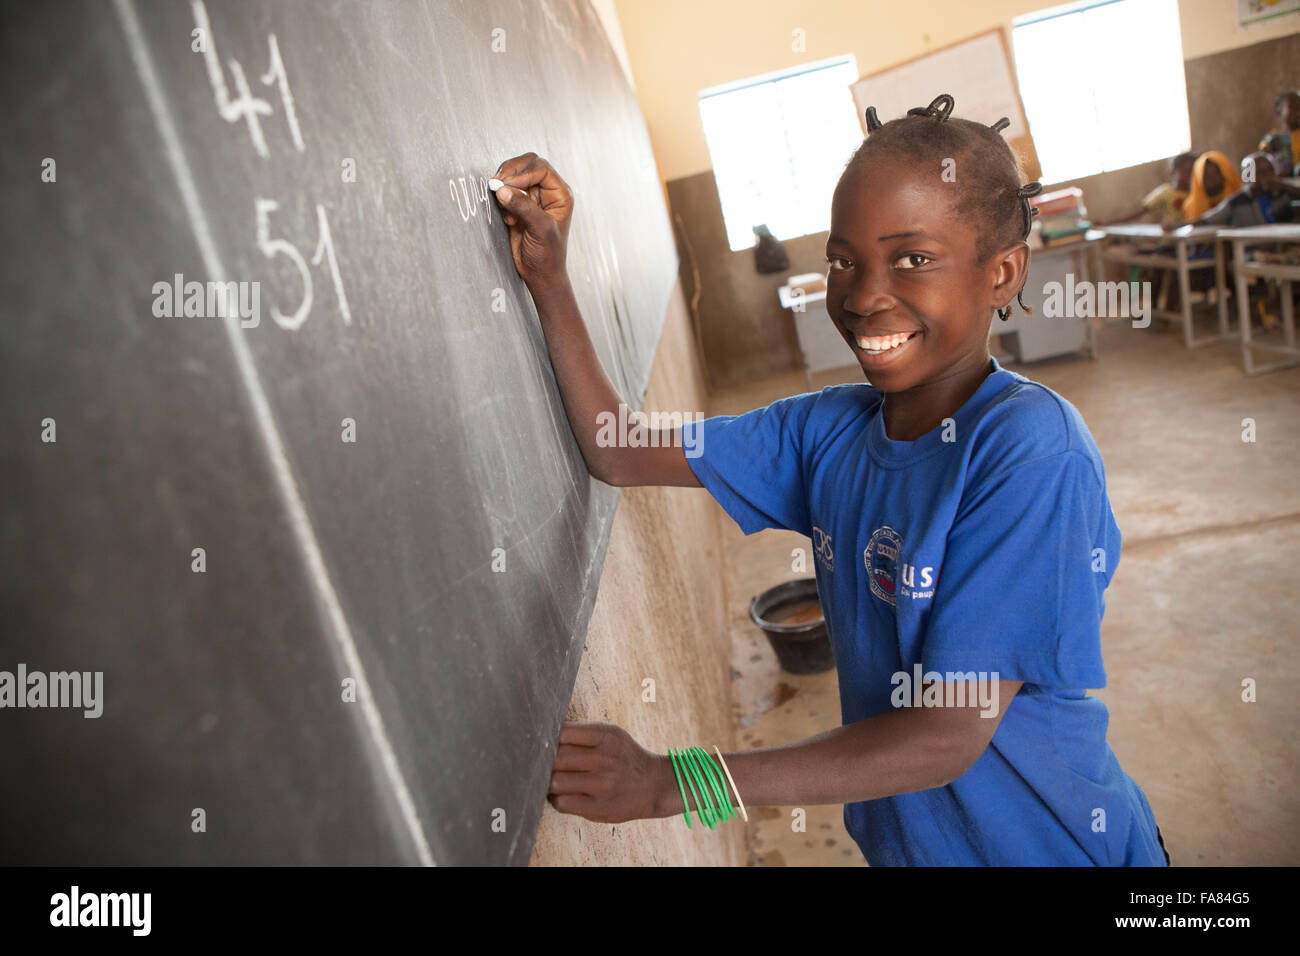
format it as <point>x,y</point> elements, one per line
<point>963,517</point>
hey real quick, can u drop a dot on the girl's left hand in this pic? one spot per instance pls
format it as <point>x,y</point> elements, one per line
<point>602,774</point>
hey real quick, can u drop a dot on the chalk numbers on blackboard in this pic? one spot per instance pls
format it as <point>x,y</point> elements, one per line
<point>247,107</point>
<point>324,250</point>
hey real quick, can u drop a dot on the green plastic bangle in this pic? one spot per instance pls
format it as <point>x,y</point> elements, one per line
<point>698,802</point>
<point>715,779</point>
<point>710,810</point>
<point>719,789</point>
<point>685,803</point>
<point>713,802</point>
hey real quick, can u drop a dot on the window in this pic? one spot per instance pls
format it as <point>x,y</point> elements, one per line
<point>1102,85</point>
<point>779,143</point>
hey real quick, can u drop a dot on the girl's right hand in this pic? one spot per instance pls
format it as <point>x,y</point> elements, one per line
<point>538,208</point>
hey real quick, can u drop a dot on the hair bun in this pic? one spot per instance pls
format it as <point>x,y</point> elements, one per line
<point>940,107</point>
<point>873,121</point>
<point>1029,189</point>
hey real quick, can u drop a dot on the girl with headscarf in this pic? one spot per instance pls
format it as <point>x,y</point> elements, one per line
<point>1214,178</point>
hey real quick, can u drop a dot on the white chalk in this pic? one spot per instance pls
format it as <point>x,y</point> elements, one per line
<point>495,184</point>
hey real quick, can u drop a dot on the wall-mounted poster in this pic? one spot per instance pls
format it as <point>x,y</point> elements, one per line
<point>1251,12</point>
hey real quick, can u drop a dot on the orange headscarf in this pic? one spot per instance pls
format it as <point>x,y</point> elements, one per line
<point>1198,201</point>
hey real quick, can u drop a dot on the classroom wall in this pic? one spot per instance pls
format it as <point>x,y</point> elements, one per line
<point>677,48</point>
<point>1230,93</point>
<point>659,614</point>
<point>1210,26</point>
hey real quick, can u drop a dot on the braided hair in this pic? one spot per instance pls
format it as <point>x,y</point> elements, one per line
<point>989,190</point>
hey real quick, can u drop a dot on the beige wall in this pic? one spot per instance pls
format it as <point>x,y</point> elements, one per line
<point>679,47</point>
<point>1210,26</point>
<point>660,613</point>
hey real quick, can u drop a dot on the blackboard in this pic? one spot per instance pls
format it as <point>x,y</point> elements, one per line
<point>388,499</point>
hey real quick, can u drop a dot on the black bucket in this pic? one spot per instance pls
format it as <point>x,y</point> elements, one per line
<point>802,645</point>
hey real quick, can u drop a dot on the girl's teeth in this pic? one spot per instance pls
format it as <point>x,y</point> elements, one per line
<point>882,343</point>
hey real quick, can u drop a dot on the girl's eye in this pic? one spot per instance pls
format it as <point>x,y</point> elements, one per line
<point>832,260</point>
<point>910,264</point>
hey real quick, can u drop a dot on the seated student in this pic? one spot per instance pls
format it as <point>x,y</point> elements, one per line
<point>1283,144</point>
<point>1214,179</point>
<point>1264,198</point>
<point>1166,200</point>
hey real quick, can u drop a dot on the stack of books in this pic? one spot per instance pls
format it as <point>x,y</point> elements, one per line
<point>1062,217</point>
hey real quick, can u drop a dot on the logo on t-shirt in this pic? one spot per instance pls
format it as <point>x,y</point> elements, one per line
<point>881,560</point>
<point>822,548</point>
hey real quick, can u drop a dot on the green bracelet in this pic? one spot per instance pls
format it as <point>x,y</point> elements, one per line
<point>718,788</point>
<point>715,779</point>
<point>711,814</point>
<point>708,785</point>
<point>699,804</point>
<point>685,803</point>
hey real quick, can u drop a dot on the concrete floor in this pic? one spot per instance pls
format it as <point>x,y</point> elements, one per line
<point>1205,596</point>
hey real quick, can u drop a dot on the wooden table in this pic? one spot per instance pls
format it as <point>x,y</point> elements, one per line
<point>1150,234</point>
<point>1241,240</point>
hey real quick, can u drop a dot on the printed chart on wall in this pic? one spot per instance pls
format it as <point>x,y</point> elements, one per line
<point>1252,12</point>
<point>979,72</point>
<point>299,549</point>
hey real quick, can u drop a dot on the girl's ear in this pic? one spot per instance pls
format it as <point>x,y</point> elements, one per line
<point>1011,268</point>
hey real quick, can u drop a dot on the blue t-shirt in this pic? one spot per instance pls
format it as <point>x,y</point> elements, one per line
<point>986,545</point>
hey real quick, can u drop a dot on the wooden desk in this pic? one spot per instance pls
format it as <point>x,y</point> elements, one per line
<point>1241,240</point>
<point>1150,234</point>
